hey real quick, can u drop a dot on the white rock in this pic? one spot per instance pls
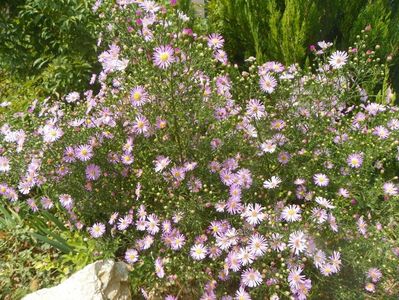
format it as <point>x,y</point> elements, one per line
<point>102,280</point>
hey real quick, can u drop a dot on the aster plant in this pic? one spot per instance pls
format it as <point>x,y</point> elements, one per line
<point>214,182</point>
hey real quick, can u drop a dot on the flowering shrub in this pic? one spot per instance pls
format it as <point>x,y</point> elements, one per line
<point>211,181</point>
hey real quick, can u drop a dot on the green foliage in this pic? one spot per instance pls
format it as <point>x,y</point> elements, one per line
<point>283,29</point>
<point>51,42</point>
<point>18,255</point>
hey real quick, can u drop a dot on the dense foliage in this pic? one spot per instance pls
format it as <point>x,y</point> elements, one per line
<point>211,181</point>
<point>283,29</point>
<point>52,44</point>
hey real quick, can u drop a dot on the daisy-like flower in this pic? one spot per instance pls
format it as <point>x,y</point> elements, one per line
<point>163,56</point>
<point>370,287</point>
<point>335,260</point>
<point>221,56</point>
<point>124,222</point>
<point>241,294</point>
<point>327,269</point>
<point>178,173</point>
<point>276,242</point>
<point>267,83</point>
<point>127,158</point>
<point>255,109</point>
<point>254,214</point>
<point>215,41</point>
<point>291,213</point>
<point>97,230</point>
<point>324,202</point>
<point>93,172</point>
<point>246,256</point>
<point>257,244</point>
<point>319,259</point>
<point>4,164</point>
<point>390,189</point>
<point>297,242</point>
<point>355,160</point>
<point>251,278</point>
<point>198,251</point>
<point>152,224</point>
<point>324,45</point>
<point>131,256</point>
<point>51,133</point>
<point>46,203</point>
<point>32,204</point>
<point>84,152</point>
<point>277,125</point>
<point>141,125</point>
<point>66,201</point>
<point>321,179</point>
<point>338,59</point>
<point>381,132</point>
<point>361,226</point>
<point>138,96</point>
<point>149,6</point>
<point>374,274</point>
<point>268,146</point>
<point>295,278</point>
<point>72,97</point>
<point>161,163</point>
<point>272,183</point>
<point>159,270</point>
<point>284,157</point>
<point>69,154</point>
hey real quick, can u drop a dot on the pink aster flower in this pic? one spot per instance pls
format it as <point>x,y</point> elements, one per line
<point>390,189</point>
<point>267,83</point>
<point>291,213</point>
<point>138,96</point>
<point>321,179</point>
<point>4,164</point>
<point>255,109</point>
<point>32,204</point>
<point>161,163</point>
<point>97,230</point>
<point>221,56</point>
<point>127,158</point>
<point>241,294</point>
<point>198,251</point>
<point>381,132</point>
<point>46,203</point>
<point>69,154</point>
<point>84,152</point>
<point>338,59</point>
<point>141,125</point>
<point>178,173</point>
<point>251,278</point>
<point>66,201</point>
<point>215,41</point>
<point>51,133</point>
<point>257,244</point>
<point>297,242</point>
<point>370,287</point>
<point>254,214</point>
<point>159,270</point>
<point>284,157</point>
<point>93,172</point>
<point>272,183</point>
<point>374,274</point>
<point>131,256</point>
<point>295,277</point>
<point>163,56</point>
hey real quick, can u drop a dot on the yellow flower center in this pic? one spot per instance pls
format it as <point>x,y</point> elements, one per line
<point>164,57</point>
<point>136,96</point>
